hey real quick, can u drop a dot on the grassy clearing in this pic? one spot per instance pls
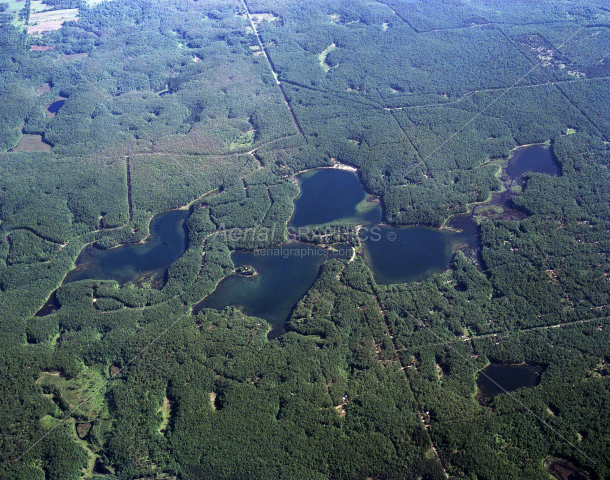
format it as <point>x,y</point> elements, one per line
<point>75,390</point>
<point>31,143</point>
<point>165,410</point>
<point>322,57</point>
<point>14,6</point>
<point>258,18</point>
<point>246,139</point>
<point>73,57</point>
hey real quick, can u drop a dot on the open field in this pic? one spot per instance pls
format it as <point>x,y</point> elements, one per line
<point>32,143</point>
<point>51,20</point>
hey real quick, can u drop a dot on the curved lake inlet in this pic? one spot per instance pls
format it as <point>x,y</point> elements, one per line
<point>284,275</point>
<point>332,195</point>
<point>532,159</point>
<point>166,244</point>
<point>51,306</point>
<point>496,379</point>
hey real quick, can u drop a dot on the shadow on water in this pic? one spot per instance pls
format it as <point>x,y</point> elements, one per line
<point>283,276</point>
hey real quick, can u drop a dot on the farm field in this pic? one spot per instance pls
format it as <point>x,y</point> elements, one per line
<point>47,21</point>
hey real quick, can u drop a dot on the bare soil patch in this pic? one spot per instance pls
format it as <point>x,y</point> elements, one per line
<point>73,57</point>
<point>32,143</point>
<point>45,87</point>
<point>42,48</point>
<point>51,20</point>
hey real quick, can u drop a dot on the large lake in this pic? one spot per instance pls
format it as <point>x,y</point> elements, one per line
<point>394,254</point>
<point>166,244</point>
<point>408,254</point>
<point>284,275</point>
<point>332,195</point>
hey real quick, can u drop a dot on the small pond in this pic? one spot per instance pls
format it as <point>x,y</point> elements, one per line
<point>284,275</point>
<point>564,470</point>
<point>55,106</point>
<point>166,244</point>
<point>52,108</point>
<point>532,159</point>
<point>496,379</point>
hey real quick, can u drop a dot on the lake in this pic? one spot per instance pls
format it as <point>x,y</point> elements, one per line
<point>51,306</point>
<point>330,195</point>
<point>496,379</point>
<point>394,254</point>
<point>166,244</point>
<point>409,254</point>
<point>532,159</point>
<point>284,275</point>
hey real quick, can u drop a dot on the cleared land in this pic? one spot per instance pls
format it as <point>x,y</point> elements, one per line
<point>51,20</point>
<point>32,143</point>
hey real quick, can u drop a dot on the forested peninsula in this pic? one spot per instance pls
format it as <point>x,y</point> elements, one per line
<point>116,111</point>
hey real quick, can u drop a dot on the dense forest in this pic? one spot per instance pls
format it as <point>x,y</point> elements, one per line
<point>213,107</point>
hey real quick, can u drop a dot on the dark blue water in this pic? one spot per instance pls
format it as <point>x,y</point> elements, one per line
<point>55,106</point>
<point>284,275</point>
<point>532,159</point>
<point>333,195</point>
<point>408,254</point>
<point>395,255</point>
<point>496,379</point>
<point>166,244</point>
